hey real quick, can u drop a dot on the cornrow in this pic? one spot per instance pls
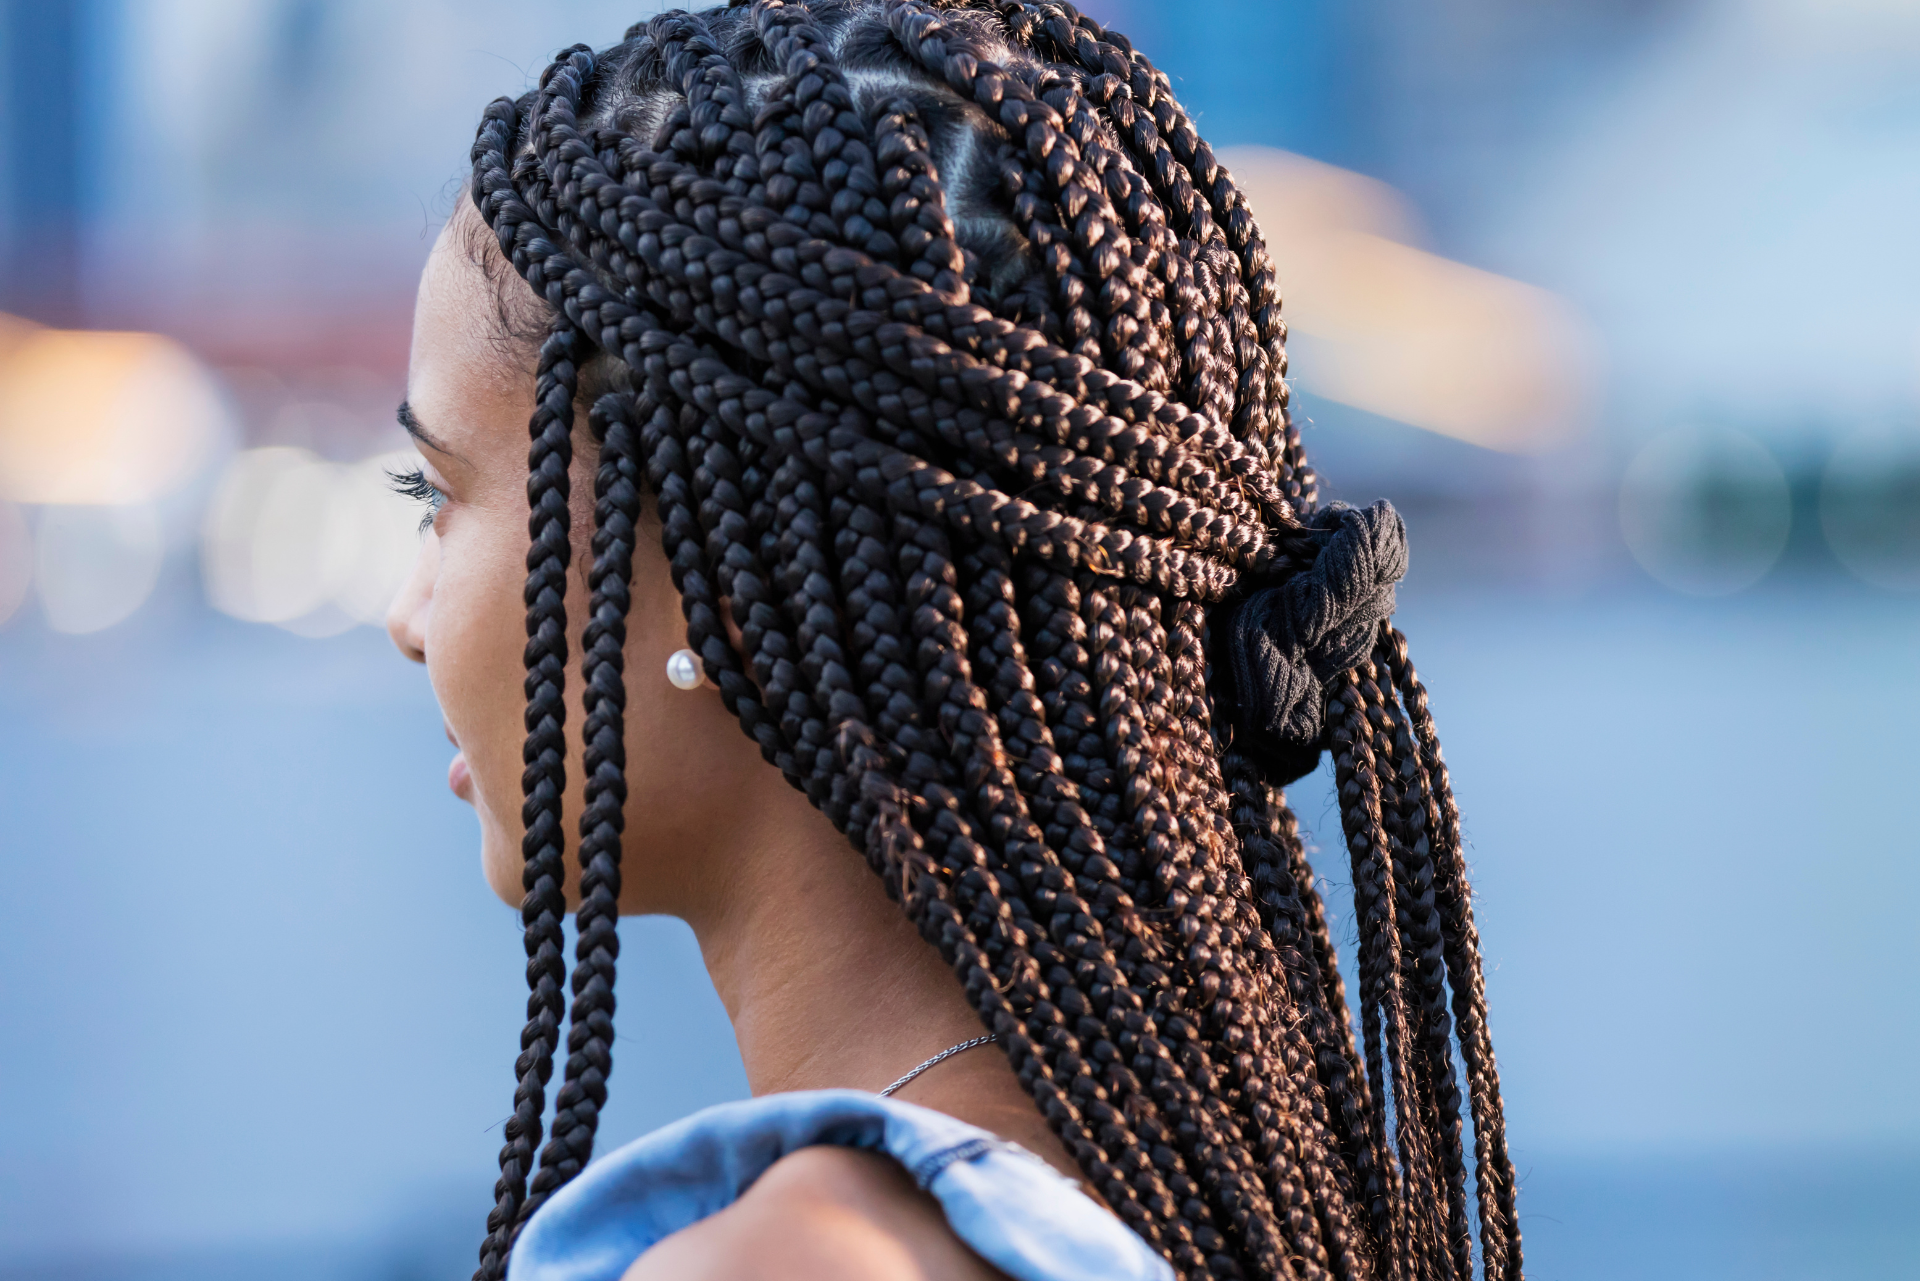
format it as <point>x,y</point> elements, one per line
<point>952,361</point>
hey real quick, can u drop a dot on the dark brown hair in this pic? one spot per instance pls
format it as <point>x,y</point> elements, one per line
<point>953,362</point>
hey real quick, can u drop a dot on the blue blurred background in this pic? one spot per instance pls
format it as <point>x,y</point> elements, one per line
<point>1619,300</point>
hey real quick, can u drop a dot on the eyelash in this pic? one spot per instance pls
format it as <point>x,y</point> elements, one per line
<point>413,483</point>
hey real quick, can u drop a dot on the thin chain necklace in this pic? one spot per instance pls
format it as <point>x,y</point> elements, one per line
<point>939,1058</point>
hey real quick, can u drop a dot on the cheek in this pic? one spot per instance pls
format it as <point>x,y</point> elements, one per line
<point>688,766</point>
<point>475,635</point>
<point>473,640</point>
<point>690,770</point>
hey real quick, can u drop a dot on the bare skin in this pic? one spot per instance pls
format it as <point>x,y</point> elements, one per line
<point>826,982</point>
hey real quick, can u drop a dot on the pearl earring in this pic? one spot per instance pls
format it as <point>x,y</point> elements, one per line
<point>683,669</point>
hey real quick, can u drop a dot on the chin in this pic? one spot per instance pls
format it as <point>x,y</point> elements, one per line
<point>500,864</point>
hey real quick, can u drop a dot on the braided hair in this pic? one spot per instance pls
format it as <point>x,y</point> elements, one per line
<point>953,362</point>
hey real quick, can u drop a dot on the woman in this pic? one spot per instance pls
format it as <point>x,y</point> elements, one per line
<point>906,391</point>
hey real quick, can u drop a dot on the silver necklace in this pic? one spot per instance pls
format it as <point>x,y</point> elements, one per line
<point>941,1057</point>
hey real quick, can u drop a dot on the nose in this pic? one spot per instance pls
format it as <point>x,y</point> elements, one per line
<point>407,615</point>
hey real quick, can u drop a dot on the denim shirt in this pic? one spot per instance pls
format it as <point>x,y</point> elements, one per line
<point>1012,1208</point>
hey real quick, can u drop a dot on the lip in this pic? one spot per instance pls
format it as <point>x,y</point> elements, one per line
<point>459,777</point>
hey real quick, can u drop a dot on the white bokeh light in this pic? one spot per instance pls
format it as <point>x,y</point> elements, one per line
<point>263,535</point>
<point>386,536</point>
<point>16,559</point>
<point>314,546</point>
<point>93,566</point>
<point>1705,510</point>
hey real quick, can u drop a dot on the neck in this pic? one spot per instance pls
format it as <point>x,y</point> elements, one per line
<point>826,981</point>
<point>829,985</point>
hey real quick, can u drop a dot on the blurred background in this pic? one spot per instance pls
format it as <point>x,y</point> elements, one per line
<point>1619,301</point>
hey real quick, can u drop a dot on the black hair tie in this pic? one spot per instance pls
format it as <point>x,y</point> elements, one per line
<point>1280,646</point>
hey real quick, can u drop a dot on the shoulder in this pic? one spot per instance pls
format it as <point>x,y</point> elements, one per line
<point>820,1214</point>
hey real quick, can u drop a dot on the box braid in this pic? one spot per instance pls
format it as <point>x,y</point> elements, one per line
<point>953,362</point>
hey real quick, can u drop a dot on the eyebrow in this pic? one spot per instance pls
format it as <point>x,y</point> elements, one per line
<point>418,431</point>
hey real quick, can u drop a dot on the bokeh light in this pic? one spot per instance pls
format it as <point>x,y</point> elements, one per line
<point>1870,505</point>
<point>264,548</point>
<point>1705,510</point>
<point>1379,324</point>
<point>314,546</point>
<point>386,529</point>
<point>101,418</point>
<point>93,566</point>
<point>16,559</point>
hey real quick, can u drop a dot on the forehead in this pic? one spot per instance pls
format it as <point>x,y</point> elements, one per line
<point>466,354</point>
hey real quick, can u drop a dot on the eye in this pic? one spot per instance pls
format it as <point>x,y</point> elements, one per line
<point>413,483</point>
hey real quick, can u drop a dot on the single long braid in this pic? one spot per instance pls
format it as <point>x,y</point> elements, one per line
<point>955,370</point>
<point>544,784</point>
<point>590,1031</point>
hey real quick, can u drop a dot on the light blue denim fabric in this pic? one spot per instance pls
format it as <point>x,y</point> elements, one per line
<point>1011,1207</point>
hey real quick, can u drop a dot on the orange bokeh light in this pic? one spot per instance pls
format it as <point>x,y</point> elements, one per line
<point>100,418</point>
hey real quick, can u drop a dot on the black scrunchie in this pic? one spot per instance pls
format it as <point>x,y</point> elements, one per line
<point>1276,648</point>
